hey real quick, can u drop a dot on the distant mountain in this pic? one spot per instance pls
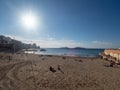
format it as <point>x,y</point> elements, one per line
<point>79,48</point>
<point>64,48</point>
<point>72,48</point>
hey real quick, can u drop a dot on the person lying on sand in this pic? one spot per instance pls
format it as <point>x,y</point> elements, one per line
<point>52,69</point>
<point>112,63</point>
<point>59,68</point>
<point>118,63</point>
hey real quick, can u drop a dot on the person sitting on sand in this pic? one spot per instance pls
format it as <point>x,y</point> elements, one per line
<point>59,68</point>
<point>52,69</point>
<point>112,63</point>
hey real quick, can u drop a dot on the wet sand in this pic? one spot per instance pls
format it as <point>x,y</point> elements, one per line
<point>33,72</point>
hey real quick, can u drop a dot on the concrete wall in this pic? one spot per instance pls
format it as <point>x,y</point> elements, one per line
<point>118,57</point>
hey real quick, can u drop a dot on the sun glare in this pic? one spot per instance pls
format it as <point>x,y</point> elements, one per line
<point>29,21</point>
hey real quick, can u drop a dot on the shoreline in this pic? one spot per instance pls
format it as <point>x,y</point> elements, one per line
<point>69,55</point>
<point>69,52</point>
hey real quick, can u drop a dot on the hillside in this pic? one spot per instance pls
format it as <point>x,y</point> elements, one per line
<point>11,45</point>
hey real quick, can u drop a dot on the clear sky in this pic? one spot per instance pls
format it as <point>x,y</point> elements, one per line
<point>61,23</point>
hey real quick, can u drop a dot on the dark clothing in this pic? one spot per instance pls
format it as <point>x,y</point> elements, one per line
<point>112,63</point>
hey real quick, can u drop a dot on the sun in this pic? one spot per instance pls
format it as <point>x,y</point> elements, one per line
<point>29,21</point>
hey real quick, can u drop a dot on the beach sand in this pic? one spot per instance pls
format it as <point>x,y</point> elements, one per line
<point>33,72</point>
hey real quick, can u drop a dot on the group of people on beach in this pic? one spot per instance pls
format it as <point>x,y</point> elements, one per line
<point>113,63</point>
<point>53,70</point>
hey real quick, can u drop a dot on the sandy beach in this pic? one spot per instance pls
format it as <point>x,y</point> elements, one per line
<point>33,72</point>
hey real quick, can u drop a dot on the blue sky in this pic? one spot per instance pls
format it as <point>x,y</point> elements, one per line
<point>61,23</point>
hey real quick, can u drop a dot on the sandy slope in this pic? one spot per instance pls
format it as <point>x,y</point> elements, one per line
<point>31,72</point>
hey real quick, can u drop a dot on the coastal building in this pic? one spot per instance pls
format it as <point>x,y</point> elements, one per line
<point>113,54</point>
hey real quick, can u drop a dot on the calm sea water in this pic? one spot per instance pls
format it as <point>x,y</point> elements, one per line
<point>71,52</point>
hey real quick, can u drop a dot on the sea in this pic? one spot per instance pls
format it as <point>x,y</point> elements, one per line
<point>71,52</point>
